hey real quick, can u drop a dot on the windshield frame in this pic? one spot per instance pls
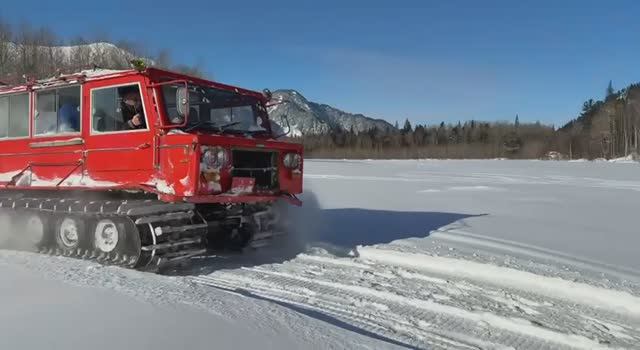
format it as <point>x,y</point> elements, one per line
<point>159,78</point>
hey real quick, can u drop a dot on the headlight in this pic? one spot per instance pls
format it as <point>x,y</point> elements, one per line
<point>215,157</point>
<point>292,160</point>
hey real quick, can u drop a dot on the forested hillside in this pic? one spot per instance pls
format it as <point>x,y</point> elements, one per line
<point>605,128</point>
<point>39,53</point>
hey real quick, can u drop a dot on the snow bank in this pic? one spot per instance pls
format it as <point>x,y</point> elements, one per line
<point>628,159</point>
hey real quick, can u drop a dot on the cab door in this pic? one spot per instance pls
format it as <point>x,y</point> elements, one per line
<point>114,151</point>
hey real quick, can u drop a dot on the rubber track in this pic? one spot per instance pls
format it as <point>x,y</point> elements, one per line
<point>128,210</point>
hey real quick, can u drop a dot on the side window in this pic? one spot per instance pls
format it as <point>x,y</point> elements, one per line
<point>14,116</point>
<point>58,111</point>
<point>4,117</point>
<point>117,109</point>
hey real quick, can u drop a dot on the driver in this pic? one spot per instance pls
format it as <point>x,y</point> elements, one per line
<point>132,112</point>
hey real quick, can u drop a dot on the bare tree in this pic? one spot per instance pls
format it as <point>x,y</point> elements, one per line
<point>6,48</point>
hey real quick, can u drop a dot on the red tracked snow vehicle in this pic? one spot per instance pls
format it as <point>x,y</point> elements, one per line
<point>140,168</point>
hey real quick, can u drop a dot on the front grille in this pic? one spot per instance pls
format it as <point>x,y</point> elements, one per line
<point>260,165</point>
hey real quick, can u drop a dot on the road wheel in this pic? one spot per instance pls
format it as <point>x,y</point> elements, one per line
<point>70,235</point>
<point>106,236</point>
<point>37,230</point>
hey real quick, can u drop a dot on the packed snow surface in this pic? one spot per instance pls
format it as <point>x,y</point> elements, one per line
<point>420,254</point>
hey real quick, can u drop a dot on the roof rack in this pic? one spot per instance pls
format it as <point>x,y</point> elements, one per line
<point>60,79</point>
<point>73,77</point>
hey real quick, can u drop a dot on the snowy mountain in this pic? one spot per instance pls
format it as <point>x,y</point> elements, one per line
<point>308,117</point>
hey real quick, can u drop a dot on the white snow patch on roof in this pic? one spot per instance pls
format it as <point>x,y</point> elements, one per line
<point>100,72</point>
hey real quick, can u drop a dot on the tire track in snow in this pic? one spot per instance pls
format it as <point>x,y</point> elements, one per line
<point>427,309</point>
<point>390,324</point>
<point>553,287</point>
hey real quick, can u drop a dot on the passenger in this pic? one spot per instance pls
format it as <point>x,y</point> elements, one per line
<point>132,112</point>
<point>69,118</point>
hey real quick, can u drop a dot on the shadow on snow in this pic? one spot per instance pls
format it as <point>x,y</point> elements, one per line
<point>348,228</point>
<point>338,231</point>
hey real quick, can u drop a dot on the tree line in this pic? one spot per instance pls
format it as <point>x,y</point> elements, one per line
<point>607,128</point>
<point>38,52</point>
<point>471,139</point>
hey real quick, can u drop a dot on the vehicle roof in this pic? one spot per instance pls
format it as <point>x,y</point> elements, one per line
<point>155,74</point>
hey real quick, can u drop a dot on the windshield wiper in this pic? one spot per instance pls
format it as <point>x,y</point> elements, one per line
<point>258,132</point>
<point>211,124</point>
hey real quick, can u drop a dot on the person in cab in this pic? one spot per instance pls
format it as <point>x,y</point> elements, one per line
<point>132,111</point>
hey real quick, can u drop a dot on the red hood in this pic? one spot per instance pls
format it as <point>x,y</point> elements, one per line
<point>245,142</point>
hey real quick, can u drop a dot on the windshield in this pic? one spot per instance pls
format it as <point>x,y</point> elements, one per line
<point>216,110</point>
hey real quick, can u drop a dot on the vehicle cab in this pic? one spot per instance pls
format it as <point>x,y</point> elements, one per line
<point>181,137</point>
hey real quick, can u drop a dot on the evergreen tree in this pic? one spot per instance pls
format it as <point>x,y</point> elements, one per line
<point>407,126</point>
<point>610,90</point>
<point>588,105</point>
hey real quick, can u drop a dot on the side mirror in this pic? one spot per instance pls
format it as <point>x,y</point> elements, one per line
<point>182,109</point>
<point>182,101</point>
<point>267,93</point>
<point>284,118</point>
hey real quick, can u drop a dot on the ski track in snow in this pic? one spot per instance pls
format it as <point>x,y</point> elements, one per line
<point>455,287</point>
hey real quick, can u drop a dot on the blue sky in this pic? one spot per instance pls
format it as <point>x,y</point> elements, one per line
<point>423,60</point>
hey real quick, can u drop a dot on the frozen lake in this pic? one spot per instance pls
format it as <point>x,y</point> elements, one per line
<point>584,209</point>
<point>422,254</point>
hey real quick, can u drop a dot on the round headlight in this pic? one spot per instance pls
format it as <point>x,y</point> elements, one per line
<point>214,158</point>
<point>292,160</point>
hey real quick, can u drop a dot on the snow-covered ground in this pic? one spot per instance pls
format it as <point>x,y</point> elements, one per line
<point>399,254</point>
